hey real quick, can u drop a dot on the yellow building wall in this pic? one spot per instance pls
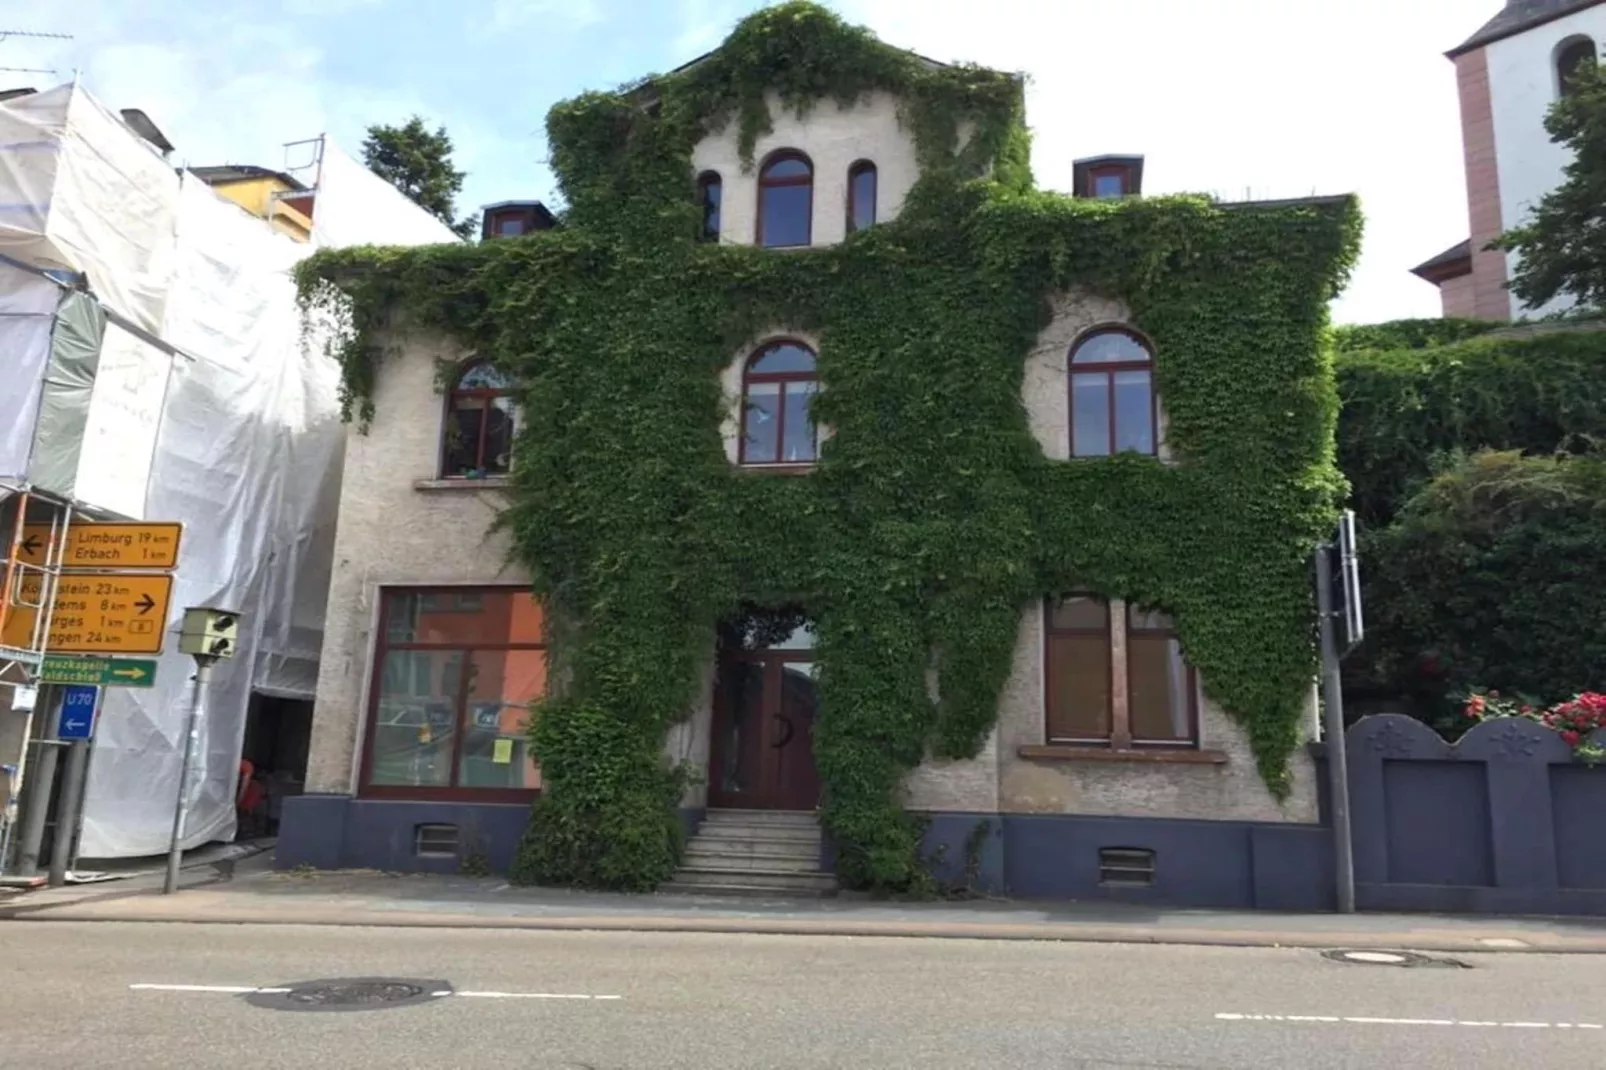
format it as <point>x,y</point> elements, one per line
<point>255,196</point>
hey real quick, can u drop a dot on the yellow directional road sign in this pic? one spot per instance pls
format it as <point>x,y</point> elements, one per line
<point>107,545</point>
<point>96,613</point>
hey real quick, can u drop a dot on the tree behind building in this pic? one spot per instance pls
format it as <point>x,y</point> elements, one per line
<point>419,163</point>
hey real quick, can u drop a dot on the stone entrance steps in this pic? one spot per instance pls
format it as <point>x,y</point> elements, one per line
<point>754,852</point>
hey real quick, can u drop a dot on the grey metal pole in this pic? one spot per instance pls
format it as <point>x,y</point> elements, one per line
<point>1337,759</point>
<point>181,808</point>
<point>41,781</point>
<point>72,795</point>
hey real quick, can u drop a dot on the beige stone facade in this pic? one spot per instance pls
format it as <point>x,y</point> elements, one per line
<point>400,525</point>
<point>834,139</point>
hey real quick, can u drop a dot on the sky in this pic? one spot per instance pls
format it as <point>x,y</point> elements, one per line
<point>1239,98</point>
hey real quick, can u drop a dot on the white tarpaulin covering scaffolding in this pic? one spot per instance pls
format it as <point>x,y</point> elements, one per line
<point>230,424</point>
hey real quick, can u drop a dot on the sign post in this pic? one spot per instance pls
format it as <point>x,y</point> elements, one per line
<point>207,635</point>
<point>79,707</point>
<point>95,613</point>
<point>1338,597</point>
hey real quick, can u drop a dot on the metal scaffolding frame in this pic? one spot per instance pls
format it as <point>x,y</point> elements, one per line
<point>22,505</point>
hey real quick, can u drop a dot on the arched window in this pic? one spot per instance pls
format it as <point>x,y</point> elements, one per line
<point>1112,395</point>
<point>861,196</point>
<point>1573,57</point>
<point>785,200</point>
<point>778,388</point>
<point>710,191</point>
<point>479,425</point>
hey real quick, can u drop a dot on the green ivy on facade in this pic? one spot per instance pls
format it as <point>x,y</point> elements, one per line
<point>933,516</point>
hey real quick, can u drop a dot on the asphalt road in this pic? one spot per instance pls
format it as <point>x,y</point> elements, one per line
<point>753,1002</point>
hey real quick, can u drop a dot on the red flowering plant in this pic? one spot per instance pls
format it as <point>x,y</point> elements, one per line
<point>1572,720</point>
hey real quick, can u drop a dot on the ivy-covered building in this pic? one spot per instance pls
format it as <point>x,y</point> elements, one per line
<point>820,503</point>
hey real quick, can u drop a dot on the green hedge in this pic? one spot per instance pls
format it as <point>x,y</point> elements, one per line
<point>933,517</point>
<point>1408,334</point>
<point>1406,410</point>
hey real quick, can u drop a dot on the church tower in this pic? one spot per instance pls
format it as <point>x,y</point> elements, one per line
<point>1509,74</point>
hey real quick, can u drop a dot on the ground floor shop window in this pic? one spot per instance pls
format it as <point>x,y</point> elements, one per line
<point>454,676</point>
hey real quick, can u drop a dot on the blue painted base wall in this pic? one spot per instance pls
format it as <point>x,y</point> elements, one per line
<point>1231,865</point>
<point>1198,863</point>
<point>340,832</point>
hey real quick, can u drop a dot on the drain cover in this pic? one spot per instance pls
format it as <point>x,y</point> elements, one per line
<point>1389,958</point>
<point>348,994</point>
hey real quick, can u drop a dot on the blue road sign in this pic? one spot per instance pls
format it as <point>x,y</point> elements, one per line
<point>77,717</point>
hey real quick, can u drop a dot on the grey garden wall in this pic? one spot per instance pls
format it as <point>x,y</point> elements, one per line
<point>1504,821</point>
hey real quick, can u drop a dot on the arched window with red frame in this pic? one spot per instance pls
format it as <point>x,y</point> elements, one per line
<point>785,200</point>
<point>778,388</point>
<point>480,422</point>
<point>1112,400</point>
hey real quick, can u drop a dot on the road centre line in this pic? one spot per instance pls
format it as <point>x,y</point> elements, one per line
<point>1329,1019</point>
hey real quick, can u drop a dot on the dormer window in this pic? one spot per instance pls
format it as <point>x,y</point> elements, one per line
<point>509,219</point>
<point>785,200</point>
<point>861,196</point>
<point>1108,177</point>
<point>710,193</point>
<point>1110,182</point>
<point>1573,58</point>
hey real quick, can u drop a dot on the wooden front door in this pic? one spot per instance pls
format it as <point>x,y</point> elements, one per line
<point>762,757</point>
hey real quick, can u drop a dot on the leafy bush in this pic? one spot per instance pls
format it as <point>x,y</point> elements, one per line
<point>1493,573</point>
<point>602,780</point>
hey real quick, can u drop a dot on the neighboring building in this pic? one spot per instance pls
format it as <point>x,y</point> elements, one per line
<point>434,645</point>
<point>1509,74</point>
<point>271,195</point>
<point>157,368</point>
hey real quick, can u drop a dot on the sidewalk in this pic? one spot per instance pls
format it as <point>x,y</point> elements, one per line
<point>248,891</point>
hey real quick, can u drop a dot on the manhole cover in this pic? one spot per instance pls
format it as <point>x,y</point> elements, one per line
<point>1389,958</point>
<point>348,994</point>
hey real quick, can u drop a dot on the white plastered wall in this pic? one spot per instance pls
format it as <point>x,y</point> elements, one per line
<point>1522,87</point>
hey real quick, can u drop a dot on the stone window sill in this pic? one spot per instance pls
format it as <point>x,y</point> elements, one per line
<point>778,469</point>
<point>491,483</point>
<point>1064,752</point>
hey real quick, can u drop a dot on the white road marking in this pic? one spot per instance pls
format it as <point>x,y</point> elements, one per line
<point>241,990</point>
<point>229,989</point>
<point>1402,1021</point>
<point>522,995</point>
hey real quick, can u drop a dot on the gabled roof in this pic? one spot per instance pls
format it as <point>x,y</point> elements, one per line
<point>1450,264</point>
<point>223,174</point>
<point>1518,16</point>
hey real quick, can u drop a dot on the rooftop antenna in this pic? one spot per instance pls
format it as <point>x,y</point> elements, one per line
<point>7,34</point>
